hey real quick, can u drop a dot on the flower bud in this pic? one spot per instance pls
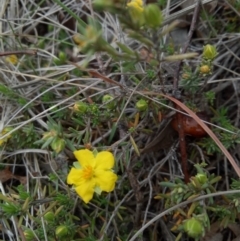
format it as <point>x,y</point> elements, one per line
<point>193,227</point>
<point>180,190</point>
<point>195,182</point>
<point>80,107</point>
<point>91,40</point>
<point>135,8</point>
<point>61,231</point>
<point>62,56</point>
<point>202,178</point>
<point>205,69</point>
<point>49,134</point>
<point>58,144</point>
<point>137,5</point>
<point>49,216</point>
<point>107,99</point>
<point>153,16</point>
<point>142,105</point>
<point>185,76</point>
<point>12,59</point>
<point>209,52</point>
<point>29,235</point>
<point>79,40</point>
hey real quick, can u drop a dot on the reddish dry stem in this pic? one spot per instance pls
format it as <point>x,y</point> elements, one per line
<point>182,144</point>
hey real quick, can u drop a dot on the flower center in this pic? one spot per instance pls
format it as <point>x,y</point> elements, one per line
<point>87,172</point>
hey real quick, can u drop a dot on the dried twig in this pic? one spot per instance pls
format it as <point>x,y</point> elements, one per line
<point>19,52</point>
<point>182,142</point>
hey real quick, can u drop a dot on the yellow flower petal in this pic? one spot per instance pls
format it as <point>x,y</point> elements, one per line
<point>136,5</point>
<point>105,180</point>
<point>74,176</point>
<point>86,190</point>
<point>104,160</point>
<point>84,157</point>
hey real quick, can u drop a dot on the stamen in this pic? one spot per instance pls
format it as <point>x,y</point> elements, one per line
<point>87,172</point>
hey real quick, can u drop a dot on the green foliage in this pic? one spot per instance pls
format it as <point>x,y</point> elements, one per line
<point>11,209</point>
<point>196,216</point>
<point>23,194</point>
<point>58,216</point>
<point>210,96</point>
<point>190,82</point>
<point>162,3</point>
<point>12,95</point>
<point>229,137</point>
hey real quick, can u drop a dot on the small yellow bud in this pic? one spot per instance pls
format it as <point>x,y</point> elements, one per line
<point>80,107</point>
<point>92,34</point>
<point>90,40</point>
<point>209,52</point>
<point>79,40</point>
<point>153,16</point>
<point>142,105</point>
<point>135,8</point>
<point>136,5</point>
<point>193,227</point>
<point>185,76</point>
<point>205,69</point>
<point>12,59</point>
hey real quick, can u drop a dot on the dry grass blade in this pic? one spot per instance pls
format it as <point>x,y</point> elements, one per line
<point>104,78</point>
<point>183,12</point>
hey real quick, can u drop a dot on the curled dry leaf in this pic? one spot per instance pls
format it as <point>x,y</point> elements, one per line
<point>190,126</point>
<point>6,175</point>
<point>208,130</point>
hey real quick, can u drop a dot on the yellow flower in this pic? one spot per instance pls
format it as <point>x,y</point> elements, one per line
<point>136,5</point>
<point>95,173</point>
<point>12,59</point>
<point>135,9</point>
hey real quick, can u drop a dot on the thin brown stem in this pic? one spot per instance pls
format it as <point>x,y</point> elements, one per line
<point>182,141</point>
<point>18,52</point>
